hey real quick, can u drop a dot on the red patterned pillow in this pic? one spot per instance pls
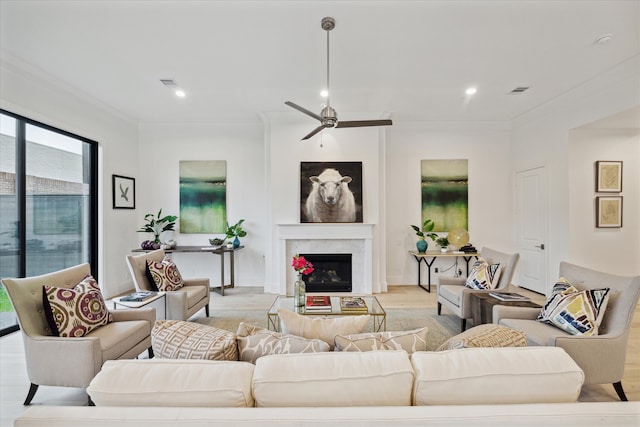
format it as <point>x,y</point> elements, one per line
<point>77,311</point>
<point>165,275</point>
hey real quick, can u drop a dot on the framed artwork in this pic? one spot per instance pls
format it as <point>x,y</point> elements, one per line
<point>330,192</point>
<point>445,193</point>
<point>124,192</point>
<point>203,197</point>
<point>608,176</point>
<point>609,211</point>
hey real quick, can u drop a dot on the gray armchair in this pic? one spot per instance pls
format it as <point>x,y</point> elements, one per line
<point>602,356</point>
<point>181,304</point>
<point>72,362</point>
<point>453,294</point>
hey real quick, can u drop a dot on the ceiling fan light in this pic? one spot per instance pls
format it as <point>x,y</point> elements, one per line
<point>324,93</point>
<point>180,93</point>
<point>471,91</point>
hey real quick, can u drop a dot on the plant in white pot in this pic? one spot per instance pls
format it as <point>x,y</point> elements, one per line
<point>443,242</point>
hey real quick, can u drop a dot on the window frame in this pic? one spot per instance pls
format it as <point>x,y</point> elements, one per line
<point>21,196</point>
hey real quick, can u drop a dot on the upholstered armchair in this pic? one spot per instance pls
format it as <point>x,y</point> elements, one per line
<point>182,303</point>
<point>453,294</point>
<point>72,362</point>
<point>601,356</point>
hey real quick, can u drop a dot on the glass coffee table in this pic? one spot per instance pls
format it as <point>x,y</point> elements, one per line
<point>374,309</point>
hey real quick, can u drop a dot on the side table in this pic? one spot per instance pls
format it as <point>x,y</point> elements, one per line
<point>482,306</point>
<point>158,301</point>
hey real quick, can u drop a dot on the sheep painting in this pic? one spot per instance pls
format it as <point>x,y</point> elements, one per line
<point>330,199</point>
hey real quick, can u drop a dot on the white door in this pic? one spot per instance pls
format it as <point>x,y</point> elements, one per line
<point>531,229</point>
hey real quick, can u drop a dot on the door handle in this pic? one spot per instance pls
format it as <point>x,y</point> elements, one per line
<point>541,246</point>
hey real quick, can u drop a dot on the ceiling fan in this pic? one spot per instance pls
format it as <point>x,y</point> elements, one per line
<point>328,117</point>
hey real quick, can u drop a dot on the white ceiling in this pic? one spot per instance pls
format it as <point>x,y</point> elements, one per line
<point>411,60</point>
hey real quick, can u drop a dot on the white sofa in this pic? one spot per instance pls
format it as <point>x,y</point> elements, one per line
<point>522,386</point>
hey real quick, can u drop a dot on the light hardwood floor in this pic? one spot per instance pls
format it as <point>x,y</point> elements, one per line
<point>14,383</point>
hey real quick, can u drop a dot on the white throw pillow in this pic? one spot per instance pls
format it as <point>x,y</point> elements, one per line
<point>324,329</point>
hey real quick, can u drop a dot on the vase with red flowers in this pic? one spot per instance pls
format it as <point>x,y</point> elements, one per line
<point>301,267</point>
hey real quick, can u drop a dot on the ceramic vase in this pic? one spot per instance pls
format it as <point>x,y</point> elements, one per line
<point>299,289</point>
<point>236,242</point>
<point>422,246</point>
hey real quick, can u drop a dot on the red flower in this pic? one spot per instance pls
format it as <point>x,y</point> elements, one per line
<point>301,265</point>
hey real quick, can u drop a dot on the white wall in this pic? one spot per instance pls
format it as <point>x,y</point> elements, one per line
<point>29,93</point>
<point>163,146</point>
<point>541,138</point>
<point>486,146</point>
<point>284,153</point>
<point>612,249</point>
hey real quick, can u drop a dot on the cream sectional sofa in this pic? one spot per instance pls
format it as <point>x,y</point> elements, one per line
<point>476,386</point>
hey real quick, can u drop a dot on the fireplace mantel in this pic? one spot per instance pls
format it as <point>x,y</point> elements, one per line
<point>354,238</point>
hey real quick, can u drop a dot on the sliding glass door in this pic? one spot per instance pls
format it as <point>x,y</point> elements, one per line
<point>48,202</point>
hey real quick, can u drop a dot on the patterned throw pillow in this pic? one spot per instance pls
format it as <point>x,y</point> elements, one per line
<point>178,339</point>
<point>409,341</point>
<point>488,335</point>
<point>483,275</point>
<point>77,311</point>
<point>165,275</point>
<point>575,312</point>
<point>321,328</point>
<point>255,342</point>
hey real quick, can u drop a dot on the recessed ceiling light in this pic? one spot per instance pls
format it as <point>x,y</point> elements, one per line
<point>471,91</point>
<point>324,93</point>
<point>180,93</point>
<point>603,39</point>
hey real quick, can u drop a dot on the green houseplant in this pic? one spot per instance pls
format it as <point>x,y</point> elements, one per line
<point>236,231</point>
<point>443,242</point>
<point>422,232</point>
<point>156,224</point>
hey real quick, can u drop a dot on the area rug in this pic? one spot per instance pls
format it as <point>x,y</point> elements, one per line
<point>441,328</point>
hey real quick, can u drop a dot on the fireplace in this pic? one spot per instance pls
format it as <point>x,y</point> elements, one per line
<point>331,273</point>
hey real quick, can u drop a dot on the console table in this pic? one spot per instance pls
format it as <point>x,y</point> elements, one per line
<point>216,251</point>
<point>430,257</point>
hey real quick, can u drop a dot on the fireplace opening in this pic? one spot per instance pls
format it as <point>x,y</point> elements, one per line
<point>331,273</point>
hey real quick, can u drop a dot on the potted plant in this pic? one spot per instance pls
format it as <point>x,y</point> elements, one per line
<point>427,227</point>
<point>158,224</point>
<point>234,232</point>
<point>443,242</point>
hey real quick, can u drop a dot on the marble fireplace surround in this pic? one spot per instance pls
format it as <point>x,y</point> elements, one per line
<point>355,239</point>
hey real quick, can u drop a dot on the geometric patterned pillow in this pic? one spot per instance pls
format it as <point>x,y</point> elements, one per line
<point>575,312</point>
<point>179,339</point>
<point>409,341</point>
<point>255,342</point>
<point>488,335</point>
<point>483,275</point>
<point>165,275</point>
<point>77,311</point>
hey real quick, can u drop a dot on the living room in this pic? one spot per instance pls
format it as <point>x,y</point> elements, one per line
<point>563,128</point>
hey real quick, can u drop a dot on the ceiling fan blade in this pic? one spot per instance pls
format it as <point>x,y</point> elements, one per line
<point>313,132</point>
<point>363,123</point>
<point>303,110</point>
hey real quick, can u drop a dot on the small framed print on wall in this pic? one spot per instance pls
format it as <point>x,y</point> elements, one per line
<point>609,212</point>
<point>608,176</point>
<point>124,192</point>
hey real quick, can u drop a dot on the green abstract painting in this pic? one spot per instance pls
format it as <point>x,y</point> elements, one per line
<point>445,193</point>
<point>203,197</point>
